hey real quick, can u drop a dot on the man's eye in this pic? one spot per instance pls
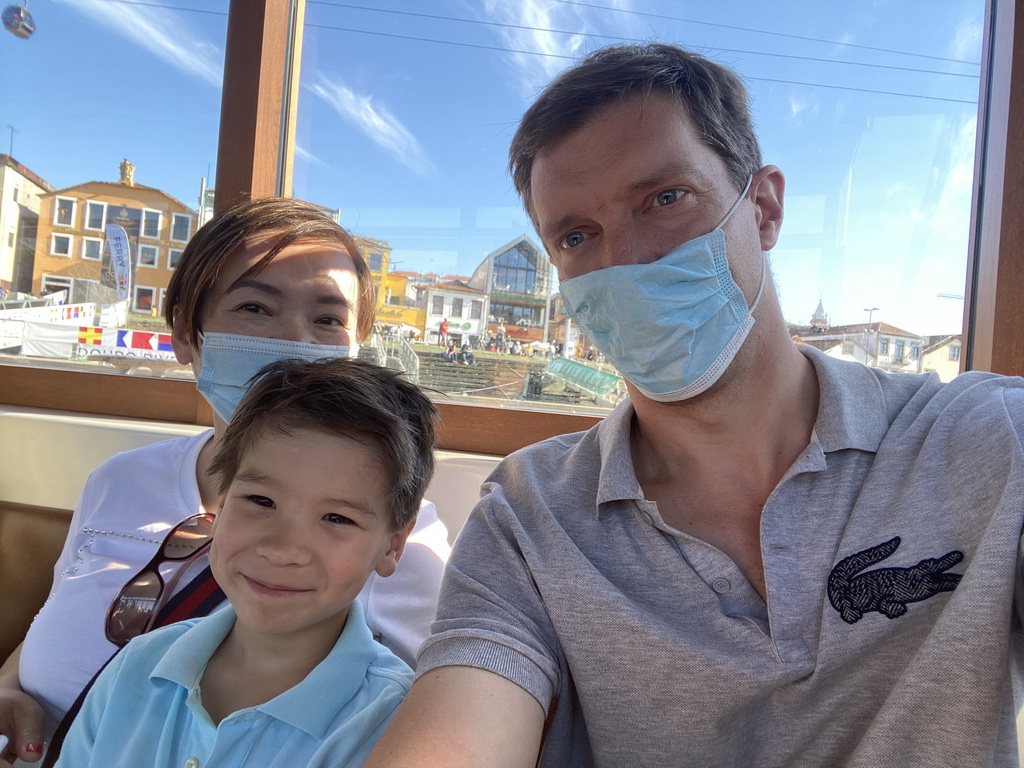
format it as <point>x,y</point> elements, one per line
<point>667,197</point>
<point>573,239</point>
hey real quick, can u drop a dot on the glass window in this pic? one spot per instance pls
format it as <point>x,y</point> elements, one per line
<point>476,309</point>
<point>915,351</point>
<point>142,299</point>
<point>10,238</point>
<point>150,224</point>
<point>92,248</point>
<point>173,255</point>
<point>181,227</point>
<point>55,284</point>
<point>835,91</point>
<point>456,307</point>
<point>883,346</point>
<point>95,215</point>
<point>148,255</point>
<point>60,245</point>
<point>64,212</point>
<point>847,347</point>
<point>437,305</point>
<point>376,261</point>
<point>15,194</point>
<point>897,355</point>
<point>954,351</point>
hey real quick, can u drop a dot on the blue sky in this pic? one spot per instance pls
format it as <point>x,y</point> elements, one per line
<point>404,121</point>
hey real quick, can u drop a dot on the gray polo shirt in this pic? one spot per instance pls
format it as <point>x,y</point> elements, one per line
<point>892,625</point>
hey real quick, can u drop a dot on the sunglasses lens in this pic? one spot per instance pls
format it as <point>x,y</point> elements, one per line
<point>131,611</point>
<point>188,537</point>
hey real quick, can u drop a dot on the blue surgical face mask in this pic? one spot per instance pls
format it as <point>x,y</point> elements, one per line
<point>229,363</point>
<point>672,326</point>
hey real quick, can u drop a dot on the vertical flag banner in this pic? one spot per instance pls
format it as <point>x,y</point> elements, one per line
<point>120,257</point>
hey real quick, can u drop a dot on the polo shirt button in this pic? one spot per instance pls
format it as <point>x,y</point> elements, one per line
<point>192,762</point>
<point>720,586</point>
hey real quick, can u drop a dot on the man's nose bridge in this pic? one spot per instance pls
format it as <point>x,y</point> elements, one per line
<point>621,244</point>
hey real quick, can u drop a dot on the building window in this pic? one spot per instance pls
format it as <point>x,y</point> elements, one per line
<point>847,347</point>
<point>173,257</point>
<point>64,212</point>
<point>150,223</point>
<point>456,307</point>
<point>476,309</point>
<point>148,255</point>
<point>897,356</point>
<point>95,215</point>
<point>16,194</point>
<point>376,261</point>
<point>181,227</point>
<point>915,351</point>
<point>954,352</point>
<point>142,299</point>
<point>55,284</point>
<point>10,238</point>
<point>60,245</point>
<point>437,305</point>
<point>92,248</point>
<point>883,346</point>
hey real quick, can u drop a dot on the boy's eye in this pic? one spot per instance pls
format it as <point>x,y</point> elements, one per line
<point>260,501</point>
<point>337,519</point>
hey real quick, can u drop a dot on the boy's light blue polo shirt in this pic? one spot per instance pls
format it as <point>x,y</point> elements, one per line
<point>145,708</point>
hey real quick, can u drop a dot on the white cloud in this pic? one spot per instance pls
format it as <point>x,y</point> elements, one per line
<point>162,33</point>
<point>309,157</point>
<point>532,72</point>
<point>376,121</point>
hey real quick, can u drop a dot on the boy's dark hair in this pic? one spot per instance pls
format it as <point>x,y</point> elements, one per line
<point>223,235</point>
<point>349,398</point>
<point>713,96</point>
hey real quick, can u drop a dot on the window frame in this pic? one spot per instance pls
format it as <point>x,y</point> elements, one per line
<point>159,223</point>
<point>53,244</point>
<point>56,210</point>
<point>152,298</point>
<point>156,255</point>
<point>103,216</point>
<point>249,163</point>
<point>86,239</point>
<point>174,220</point>
<point>170,251</point>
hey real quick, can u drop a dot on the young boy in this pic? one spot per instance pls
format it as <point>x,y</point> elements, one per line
<point>321,471</point>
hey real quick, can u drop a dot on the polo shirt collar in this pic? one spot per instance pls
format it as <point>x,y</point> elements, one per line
<point>312,705</point>
<point>851,414</point>
<point>852,411</point>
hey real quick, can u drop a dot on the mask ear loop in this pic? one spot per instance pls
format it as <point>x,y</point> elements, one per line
<point>743,195</point>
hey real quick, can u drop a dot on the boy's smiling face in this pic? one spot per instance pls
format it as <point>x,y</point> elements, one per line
<point>304,523</point>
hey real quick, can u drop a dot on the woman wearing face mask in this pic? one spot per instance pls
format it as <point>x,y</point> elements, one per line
<point>266,280</point>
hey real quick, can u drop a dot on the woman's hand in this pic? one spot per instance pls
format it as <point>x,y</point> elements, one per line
<point>21,717</point>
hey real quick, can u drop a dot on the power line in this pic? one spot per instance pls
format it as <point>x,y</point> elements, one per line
<point>572,58</point>
<point>629,40</point>
<point>763,32</point>
<point>169,7</point>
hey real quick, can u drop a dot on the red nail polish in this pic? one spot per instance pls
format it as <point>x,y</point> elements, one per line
<point>33,748</point>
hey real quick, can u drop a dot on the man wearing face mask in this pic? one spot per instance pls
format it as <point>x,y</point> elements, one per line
<point>765,556</point>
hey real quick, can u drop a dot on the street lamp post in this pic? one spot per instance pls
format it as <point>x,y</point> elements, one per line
<point>874,353</point>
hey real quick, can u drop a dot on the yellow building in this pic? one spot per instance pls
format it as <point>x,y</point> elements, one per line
<point>71,251</point>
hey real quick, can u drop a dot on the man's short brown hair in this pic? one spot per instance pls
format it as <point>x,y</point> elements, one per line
<point>713,96</point>
<point>293,221</point>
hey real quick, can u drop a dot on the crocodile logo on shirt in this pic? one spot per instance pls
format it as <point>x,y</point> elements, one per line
<point>887,590</point>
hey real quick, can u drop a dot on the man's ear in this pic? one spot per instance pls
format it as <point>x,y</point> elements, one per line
<point>768,188</point>
<point>180,342</point>
<point>388,561</point>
